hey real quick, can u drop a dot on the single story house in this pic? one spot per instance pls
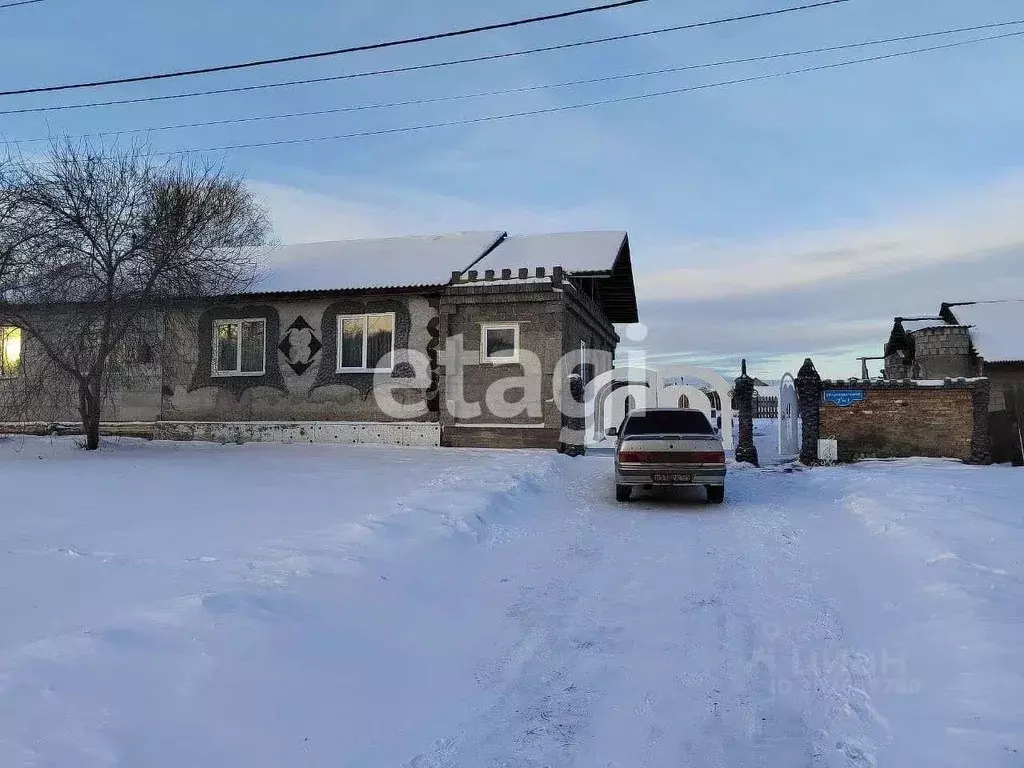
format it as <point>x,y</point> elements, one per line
<point>455,340</point>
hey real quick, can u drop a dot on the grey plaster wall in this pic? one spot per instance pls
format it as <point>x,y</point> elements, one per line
<point>38,392</point>
<point>539,312</point>
<point>1001,376</point>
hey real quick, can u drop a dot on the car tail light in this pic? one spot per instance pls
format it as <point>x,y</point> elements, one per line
<point>705,457</point>
<point>633,457</point>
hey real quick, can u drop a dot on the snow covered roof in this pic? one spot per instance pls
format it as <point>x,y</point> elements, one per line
<point>575,252</point>
<point>599,254</point>
<point>997,328</point>
<point>430,261</point>
<point>910,326</point>
<point>382,263</point>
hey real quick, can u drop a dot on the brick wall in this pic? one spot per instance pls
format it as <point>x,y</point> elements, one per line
<point>906,419</point>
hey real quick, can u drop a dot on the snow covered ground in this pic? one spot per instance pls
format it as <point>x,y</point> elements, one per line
<point>263,605</point>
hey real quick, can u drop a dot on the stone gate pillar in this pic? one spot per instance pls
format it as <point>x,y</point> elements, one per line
<point>808,391</point>
<point>981,438</point>
<point>574,426</point>
<point>746,451</point>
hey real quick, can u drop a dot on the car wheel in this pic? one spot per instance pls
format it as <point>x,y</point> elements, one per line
<point>623,492</point>
<point>716,493</point>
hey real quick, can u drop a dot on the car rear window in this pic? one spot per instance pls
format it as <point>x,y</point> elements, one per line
<point>668,422</point>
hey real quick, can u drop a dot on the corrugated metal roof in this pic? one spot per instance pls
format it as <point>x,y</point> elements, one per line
<point>430,261</point>
<point>579,252</point>
<point>394,262</point>
<point>997,331</point>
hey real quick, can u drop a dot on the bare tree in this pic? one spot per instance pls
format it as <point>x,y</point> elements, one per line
<point>97,243</point>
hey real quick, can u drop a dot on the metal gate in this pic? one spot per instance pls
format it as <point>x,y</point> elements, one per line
<point>789,419</point>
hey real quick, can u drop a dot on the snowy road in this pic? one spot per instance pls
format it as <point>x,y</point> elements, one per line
<point>357,606</point>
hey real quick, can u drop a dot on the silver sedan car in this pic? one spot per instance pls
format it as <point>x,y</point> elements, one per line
<point>668,447</point>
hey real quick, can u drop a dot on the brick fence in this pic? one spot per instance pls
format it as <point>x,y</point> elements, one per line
<point>942,419</point>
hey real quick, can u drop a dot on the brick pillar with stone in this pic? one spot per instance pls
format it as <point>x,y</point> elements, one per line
<point>981,438</point>
<point>574,426</point>
<point>808,391</point>
<point>746,451</point>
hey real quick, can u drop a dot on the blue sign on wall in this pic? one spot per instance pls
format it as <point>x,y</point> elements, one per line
<point>844,397</point>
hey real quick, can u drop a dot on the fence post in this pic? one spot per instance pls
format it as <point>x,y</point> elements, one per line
<point>746,451</point>
<point>808,391</point>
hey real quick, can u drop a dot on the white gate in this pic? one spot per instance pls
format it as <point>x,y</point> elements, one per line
<point>789,419</point>
<point>607,394</point>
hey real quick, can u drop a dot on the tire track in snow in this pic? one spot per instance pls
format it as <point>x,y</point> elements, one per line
<point>540,687</point>
<point>723,700</point>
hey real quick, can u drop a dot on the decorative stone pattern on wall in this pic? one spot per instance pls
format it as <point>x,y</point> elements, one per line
<point>312,393</point>
<point>202,375</point>
<point>904,419</point>
<point>361,382</point>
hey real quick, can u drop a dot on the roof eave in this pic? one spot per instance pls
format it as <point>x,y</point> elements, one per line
<point>618,293</point>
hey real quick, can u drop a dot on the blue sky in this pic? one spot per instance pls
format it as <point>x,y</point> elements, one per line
<point>774,220</point>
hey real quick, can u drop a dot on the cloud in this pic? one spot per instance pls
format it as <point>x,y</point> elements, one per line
<point>971,229</point>
<point>367,209</point>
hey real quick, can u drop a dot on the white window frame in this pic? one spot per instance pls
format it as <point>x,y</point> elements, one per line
<point>583,361</point>
<point>484,328</point>
<point>365,317</point>
<point>217,324</point>
<point>16,372</point>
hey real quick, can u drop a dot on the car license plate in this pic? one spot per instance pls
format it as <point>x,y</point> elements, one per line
<point>673,478</point>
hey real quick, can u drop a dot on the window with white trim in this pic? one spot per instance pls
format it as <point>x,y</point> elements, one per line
<point>583,363</point>
<point>10,351</point>
<point>240,347</point>
<point>366,343</point>
<point>499,343</point>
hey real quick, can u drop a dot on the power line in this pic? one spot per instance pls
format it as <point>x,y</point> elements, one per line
<point>335,52</point>
<point>532,88</point>
<point>590,104</point>
<point>421,67</point>
<point>20,2</point>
